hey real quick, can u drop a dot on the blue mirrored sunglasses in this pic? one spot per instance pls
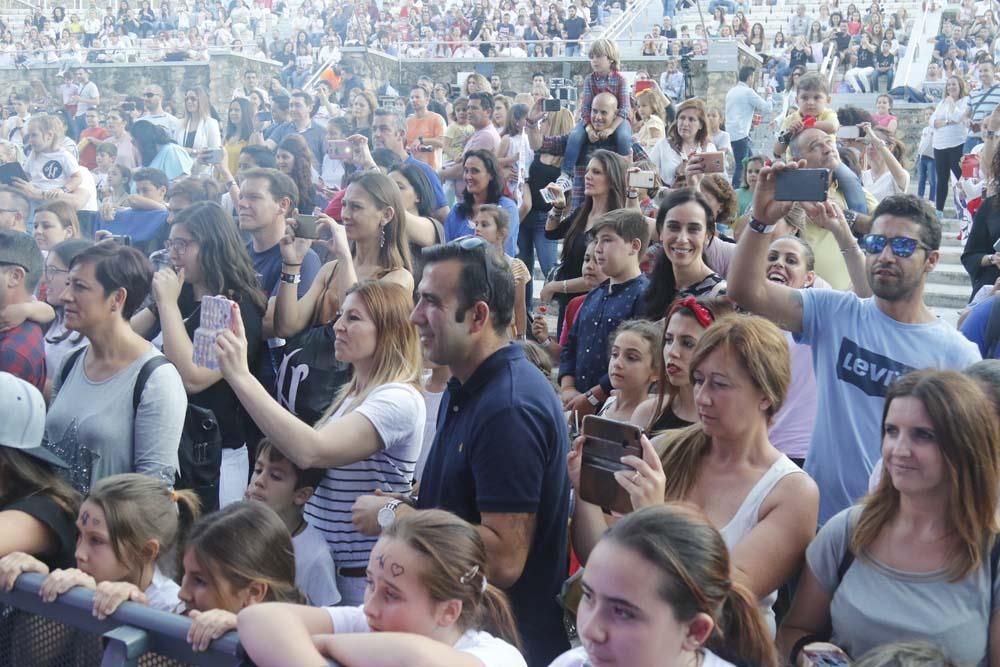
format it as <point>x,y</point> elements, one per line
<point>901,246</point>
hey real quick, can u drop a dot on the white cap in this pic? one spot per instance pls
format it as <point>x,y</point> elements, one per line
<point>23,425</point>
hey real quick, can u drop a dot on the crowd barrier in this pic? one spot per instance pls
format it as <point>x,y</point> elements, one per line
<point>65,633</point>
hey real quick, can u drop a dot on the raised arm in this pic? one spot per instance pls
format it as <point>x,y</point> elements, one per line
<point>830,217</point>
<point>747,284</point>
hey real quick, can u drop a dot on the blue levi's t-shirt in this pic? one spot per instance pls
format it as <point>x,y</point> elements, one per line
<point>501,447</point>
<point>858,351</point>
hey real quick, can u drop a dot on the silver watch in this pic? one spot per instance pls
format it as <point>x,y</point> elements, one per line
<point>387,515</point>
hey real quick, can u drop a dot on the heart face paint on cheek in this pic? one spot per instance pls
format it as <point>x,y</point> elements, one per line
<point>396,569</point>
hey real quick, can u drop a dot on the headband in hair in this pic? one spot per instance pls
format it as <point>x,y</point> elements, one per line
<point>701,313</point>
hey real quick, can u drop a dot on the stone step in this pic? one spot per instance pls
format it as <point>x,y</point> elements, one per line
<point>943,295</point>
<point>949,274</point>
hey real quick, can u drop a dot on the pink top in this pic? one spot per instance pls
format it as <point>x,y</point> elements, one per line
<point>883,120</point>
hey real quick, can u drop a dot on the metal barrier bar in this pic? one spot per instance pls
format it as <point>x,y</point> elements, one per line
<point>165,633</point>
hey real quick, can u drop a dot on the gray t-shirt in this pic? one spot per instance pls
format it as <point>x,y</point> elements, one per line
<point>94,426</point>
<point>876,604</point>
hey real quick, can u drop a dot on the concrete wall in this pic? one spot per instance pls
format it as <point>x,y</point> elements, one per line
<point>219,75</point>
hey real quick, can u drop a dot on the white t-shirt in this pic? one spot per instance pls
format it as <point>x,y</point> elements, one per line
<point>857,353</point>
<point>315,574</point>
<point>397,412</point>
<point>162,591</point>
<point>432,402</point>
<point>577,657</point>
<point>666,159</point>
<point>50,170</point>
<point>881,187</point>
<point>491,651</point>
<point>164,120</point>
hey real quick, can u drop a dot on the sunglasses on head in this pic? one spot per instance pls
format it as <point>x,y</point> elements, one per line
<point>481,247</point>
<point>901,246</point>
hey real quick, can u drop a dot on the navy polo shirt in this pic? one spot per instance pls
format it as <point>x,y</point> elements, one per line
<point>501,446</point>
<point>587,352</point>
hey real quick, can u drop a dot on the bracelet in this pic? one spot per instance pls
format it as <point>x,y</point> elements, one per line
<point>291,278</point>
<point>565,289</point>
<point>852,248</point>
<point>287,264</point>
<point>230,184</point>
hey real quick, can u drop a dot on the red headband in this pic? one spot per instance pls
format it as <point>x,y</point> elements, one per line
<point>701,313</point>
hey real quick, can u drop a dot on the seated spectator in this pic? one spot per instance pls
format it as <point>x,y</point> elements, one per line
<point>37,508</point>
<point>143,216</point>
<point>285,488</point>
<point>298,122</point>
<point>159,151</point>
<point>740,370</point>
<point>883,114</point>
<point>198,131</point>
<point>483,185</point>
<point>868,558</point>
<point>295,160</point>
<point>55,222</point>
<point>22,346</point>
<point>155,114</point>
<point>420,563</point>
<point>673,407</point>
<point>370,434</point>
<point>672,567</point>
<point>100,421</point>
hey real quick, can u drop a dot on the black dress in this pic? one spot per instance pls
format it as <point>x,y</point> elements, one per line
<point>985,233</point>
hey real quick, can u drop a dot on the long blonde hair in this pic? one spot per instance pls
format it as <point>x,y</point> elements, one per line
<point>966,432</point>
<point>762,350</point>
<point>397,355</point>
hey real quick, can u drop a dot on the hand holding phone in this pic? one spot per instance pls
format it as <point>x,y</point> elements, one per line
<point>216,317</point>
<point>305,227</point>
<point>801,185</point>
<point>606,442</point>
<point>551,105</point>
<point>645,180</point>
<point>714,162</point>
<point>340,149</point>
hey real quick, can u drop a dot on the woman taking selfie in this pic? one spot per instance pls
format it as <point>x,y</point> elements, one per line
<point>370,436</point>
<point>762,503</point>
<point>917,557</point>
<point>658,592</point>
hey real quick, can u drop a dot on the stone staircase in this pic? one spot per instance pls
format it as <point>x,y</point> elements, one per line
<point>948,286</point>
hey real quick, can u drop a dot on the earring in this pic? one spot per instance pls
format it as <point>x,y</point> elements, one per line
<point>381,236</point>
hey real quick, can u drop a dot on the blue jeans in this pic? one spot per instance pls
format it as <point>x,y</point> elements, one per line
<point>669,8</point>
<point>925,174</point>
<point>578,138</point>
<point>531,240</point>
<point>573,49</point>
<point>741,149</point>
<point>850,186</point>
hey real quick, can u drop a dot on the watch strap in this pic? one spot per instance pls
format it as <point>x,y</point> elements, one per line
<point>760,227</point>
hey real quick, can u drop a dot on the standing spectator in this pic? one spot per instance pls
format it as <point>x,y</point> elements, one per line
<point>92,135</point>
<point>981,104</point>
<point>14,210</point>
<point>485,137</point>
<point>798,23</point>
<point>143,215</point>
<point>298,122</point>
<point>22,347</point>
<point>926,170</point>
<point>152,98</point>
<point>128,154</point>
<point>742,103</point>
<point>93,422</point>
<point>688,134</point>
<point>949,137</point>
<point>883,114</point>
<point>483,185</point>
<point>198,130</point>
<point>424,130</point>
<point>859,345</point>
<point>499,454</point>
<point>59,341</point>
<point>239,127</point>
<point>17,123</point>
<point>573,28</point>
<point>86,98</point>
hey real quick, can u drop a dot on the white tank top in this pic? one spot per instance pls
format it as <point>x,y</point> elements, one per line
<point>748,515</point>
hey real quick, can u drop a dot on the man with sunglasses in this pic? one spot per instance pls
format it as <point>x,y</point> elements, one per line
<point>499,456</point>
<point>859,345</point>
<point>22,347</point>
<point>152,99</point>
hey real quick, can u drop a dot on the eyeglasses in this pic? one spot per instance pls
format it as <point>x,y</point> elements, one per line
<point>478,245</point>
<point>190,98</point>
<point>148,95</point>
<point>180,245</point>
<point>901,246</point>
<point>51,272</point>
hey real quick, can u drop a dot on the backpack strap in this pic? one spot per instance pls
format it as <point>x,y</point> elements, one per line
<point>992,334</point>
<point>69,363</point>
<point>143,377</point>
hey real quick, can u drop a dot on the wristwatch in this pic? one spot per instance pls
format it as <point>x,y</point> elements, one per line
<point>591,398</point>
<point>851,217</point>
<point>760,227</point>
<point>387,515</point>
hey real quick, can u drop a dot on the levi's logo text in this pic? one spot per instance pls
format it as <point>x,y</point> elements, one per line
<point>870,372</point>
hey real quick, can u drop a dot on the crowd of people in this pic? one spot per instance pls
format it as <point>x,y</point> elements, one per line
<point>285,365</point>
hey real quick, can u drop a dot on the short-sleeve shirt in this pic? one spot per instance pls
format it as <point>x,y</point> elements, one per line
<point>875,604</point>
<point>50,170</point>
<point>431,126</point>
<point>858,351</point>
<point>147,228</point>
<point>22,353</point>
<point>315,574</point>
<point>61,524</point>
<point>267,264</point>
<point>491,651</point>
<point>397,412</point>
<point>458,224</point>
<point>501,447</point>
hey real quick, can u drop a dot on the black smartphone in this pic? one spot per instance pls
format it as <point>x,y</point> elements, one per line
<point>11,171</point>
<point>306,227</point>
<point>802,185</point>
<point>264,116</point>
<point>123,239</point>
<point>551,105</point>
<point>607,441</point>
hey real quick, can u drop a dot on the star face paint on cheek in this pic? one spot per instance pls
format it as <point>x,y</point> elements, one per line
<point>381,561</point>
<point>85,519</point>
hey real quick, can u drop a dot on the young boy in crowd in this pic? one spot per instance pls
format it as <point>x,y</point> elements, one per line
<point>286,488</point>
<point>107,153</point>
<point>620,238</point>
<point>90,138</point>
<point>458,132</point>
<point>605,78</point>
<point>813,98</point>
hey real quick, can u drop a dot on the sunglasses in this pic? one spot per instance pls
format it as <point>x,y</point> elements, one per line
<point>478,245</point>
<point>149,95</point>
<point>901,246</point>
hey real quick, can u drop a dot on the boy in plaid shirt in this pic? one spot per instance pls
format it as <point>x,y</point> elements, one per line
<point>604,59</point>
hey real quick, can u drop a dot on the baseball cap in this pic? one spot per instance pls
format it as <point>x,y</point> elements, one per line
<point>23,425</point>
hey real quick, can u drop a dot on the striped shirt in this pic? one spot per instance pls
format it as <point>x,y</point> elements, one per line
<point>398,413</point>
<point>982,104</point>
